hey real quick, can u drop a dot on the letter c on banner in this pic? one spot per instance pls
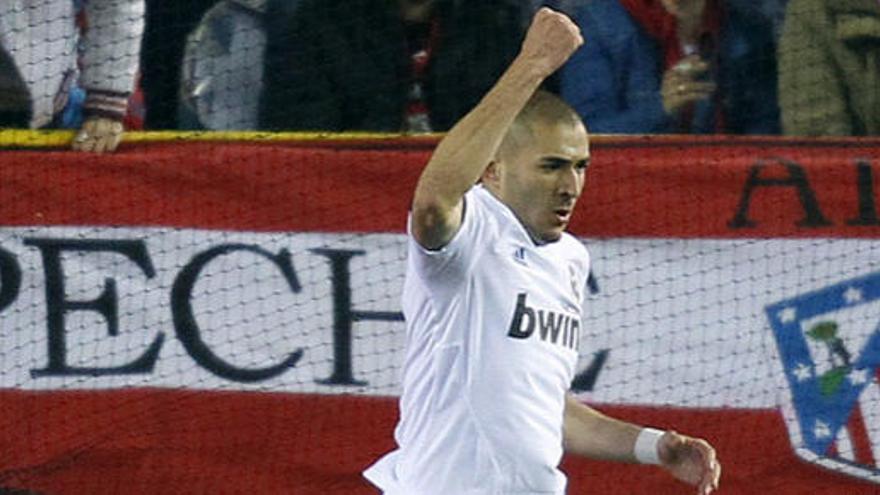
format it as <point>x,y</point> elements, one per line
<point>10,278</point>
<point>188,330</point>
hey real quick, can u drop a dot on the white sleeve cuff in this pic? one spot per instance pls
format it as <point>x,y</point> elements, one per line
<point>645,449</point>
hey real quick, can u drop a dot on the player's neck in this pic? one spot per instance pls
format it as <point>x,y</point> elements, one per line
<point>537,240</point>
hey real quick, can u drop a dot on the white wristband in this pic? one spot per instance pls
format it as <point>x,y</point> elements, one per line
<point>645,449</point>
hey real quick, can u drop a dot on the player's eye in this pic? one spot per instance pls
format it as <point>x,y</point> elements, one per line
<point>553,165</point>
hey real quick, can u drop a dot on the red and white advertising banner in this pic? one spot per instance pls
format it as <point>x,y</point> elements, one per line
<point>201,317</point>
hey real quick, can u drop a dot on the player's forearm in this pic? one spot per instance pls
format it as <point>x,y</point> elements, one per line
<point>589,433</point>
<point>472,143</point>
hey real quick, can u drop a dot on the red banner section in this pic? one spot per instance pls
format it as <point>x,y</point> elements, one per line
<point>158,441</point>
<point>650,187</point>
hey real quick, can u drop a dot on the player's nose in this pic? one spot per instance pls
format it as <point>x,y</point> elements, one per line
<point>569,182</point>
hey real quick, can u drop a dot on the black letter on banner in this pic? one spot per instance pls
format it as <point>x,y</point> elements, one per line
<point>10,278</point>
<point>344,315</point>
<point>188,330</point>
<point>867,206</point>
<point>797,178</point>
<point>106,304</point>
<point>586,380</point>
<point>592,283</point>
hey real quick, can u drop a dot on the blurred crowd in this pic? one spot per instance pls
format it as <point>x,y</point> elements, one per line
<point>795,67</point>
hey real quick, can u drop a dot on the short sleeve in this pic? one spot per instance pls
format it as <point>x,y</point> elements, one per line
<point>586,282</point>
<point>449,266</point>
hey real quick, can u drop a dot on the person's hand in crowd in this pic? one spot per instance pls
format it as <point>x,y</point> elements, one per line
<point>98,135</point>
<point>685,83</point>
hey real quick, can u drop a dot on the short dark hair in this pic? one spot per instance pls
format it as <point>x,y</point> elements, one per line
<point>543,107</point>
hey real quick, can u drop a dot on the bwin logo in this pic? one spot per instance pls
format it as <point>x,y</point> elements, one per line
<point>555,328</point>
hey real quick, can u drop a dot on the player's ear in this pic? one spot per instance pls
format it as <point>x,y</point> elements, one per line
<point>491,175</point>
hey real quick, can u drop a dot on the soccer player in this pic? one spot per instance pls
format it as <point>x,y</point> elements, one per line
<point>493,298</point>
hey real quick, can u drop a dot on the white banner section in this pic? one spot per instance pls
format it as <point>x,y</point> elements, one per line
<point>671,321</point>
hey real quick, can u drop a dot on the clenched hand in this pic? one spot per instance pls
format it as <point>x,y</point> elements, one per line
<point>98,134</point>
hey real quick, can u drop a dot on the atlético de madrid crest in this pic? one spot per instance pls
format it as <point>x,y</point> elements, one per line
<point>829,344</point>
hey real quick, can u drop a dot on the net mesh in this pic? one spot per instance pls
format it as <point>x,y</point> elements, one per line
<point>336,66</point>
<point>220,312</point>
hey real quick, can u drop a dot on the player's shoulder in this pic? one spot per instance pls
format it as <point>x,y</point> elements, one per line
<point>575,250</point>
<point>480,205</point>
<point>570,242</point>
<point>479,195</point>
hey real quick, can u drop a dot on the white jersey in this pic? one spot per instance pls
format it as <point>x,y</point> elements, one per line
<point>493,324</point>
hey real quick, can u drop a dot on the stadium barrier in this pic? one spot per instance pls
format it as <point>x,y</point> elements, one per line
<point>221,314</point>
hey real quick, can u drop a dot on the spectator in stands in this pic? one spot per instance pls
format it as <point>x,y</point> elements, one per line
<point>222,74</point>
<point>385,65</point>
<point>168,24</point>
<point>673,66</point>
<point>15,100</point>
<point>772,10</point>
<point>829,68</point>
<point>77,74</point>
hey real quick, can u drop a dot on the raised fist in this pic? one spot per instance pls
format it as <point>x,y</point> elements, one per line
<point>550,41</point>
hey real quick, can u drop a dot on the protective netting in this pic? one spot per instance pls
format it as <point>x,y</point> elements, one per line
<point>223,316</point>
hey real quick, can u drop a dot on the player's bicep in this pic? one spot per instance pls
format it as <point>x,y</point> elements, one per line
<point>448,264</point>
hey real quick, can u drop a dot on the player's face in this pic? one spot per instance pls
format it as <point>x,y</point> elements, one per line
<point>416,10</point>
<point>543,182</point>
<point>684,8</point>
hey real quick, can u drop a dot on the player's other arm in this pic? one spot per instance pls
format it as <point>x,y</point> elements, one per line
<point>589,433</point>
<point>462,156</point>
